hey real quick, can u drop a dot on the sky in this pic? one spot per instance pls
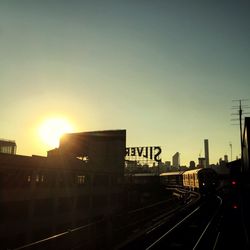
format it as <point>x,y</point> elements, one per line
<point>164,70</point>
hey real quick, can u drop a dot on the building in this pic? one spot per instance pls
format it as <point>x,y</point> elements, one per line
<point>192,165</point>
<point>201,162</point>
<point>74,185</point>
<point>168,166</point>
<point>206,149</point>
<point>222,162</point>
<point>102,150</point>
<point>176,160</point>
<point>226,158</point>
<point>7,147</point>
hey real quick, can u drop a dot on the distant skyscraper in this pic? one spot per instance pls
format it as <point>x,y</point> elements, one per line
<point>176,160</point>
<point>206,153</point>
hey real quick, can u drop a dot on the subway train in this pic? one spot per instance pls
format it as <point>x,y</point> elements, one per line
<point>204,180</point>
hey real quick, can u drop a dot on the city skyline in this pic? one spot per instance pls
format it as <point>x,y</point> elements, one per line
<point>166,71</point>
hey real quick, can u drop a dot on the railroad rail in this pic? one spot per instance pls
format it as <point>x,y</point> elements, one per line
<point>135,222</point>
<point>110,232</point>
<point>195,230</point>
<point>151,224</point>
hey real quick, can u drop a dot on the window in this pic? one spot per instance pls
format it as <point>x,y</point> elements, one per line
<point>80,179</point>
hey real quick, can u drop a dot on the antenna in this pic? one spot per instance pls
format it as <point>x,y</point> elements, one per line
<point>231,150</point>
<point>200,152</point>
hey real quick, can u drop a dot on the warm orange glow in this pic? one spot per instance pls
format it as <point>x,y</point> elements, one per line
<point>52,129</point>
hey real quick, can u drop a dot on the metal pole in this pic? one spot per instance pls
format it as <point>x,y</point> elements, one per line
<point>241,139</point>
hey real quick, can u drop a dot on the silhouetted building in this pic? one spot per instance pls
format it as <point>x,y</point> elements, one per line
<point>201,162</point>
<point>183,168</point>
<point>206,153</point>
<point>226,158</point>
<point>168,164</point>
<point>76,184</point>
<point>176,160</point>
<point>222,162</point>
<point>7,147</point>
<point>192,165</point>
<point>103,150</point>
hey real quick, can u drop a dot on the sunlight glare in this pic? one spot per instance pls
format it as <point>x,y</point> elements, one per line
<point>52,129</point>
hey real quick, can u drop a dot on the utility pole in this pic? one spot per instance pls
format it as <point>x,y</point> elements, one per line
<point>240,114</point>
<point>241,135</point>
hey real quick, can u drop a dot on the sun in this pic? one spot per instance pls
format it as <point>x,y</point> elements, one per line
<point>52,129</point>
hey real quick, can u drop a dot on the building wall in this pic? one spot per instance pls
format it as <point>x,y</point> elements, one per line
<point>7,147</point>
<point>176,160</point>
<point>105,150</point>
<point>42,196</point>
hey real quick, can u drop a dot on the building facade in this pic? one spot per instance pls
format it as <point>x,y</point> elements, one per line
<point>176,160</point>
<point>77,184</point>
<point>7,147</point>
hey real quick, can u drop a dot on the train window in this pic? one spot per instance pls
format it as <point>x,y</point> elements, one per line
<point>80,179</point>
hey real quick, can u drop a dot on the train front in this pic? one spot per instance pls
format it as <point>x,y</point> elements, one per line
<point>208,181</point>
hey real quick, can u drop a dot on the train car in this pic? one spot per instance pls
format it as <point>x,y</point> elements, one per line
<point>204,180</point>
<point>172,179</point>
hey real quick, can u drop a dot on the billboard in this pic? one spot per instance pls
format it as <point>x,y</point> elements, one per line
<point>150,152</point>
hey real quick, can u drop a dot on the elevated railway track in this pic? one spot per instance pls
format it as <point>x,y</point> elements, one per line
<point>116,232</point>
<point>191,229</point>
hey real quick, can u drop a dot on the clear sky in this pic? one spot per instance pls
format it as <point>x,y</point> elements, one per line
<point>166,71</point>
